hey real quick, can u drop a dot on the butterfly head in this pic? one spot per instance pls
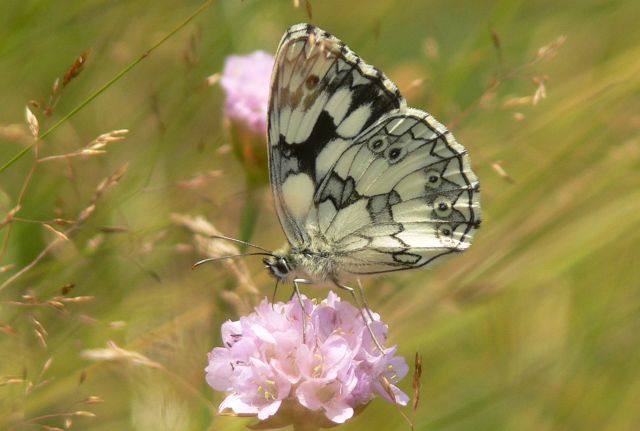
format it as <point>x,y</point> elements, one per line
<point>278,266</point>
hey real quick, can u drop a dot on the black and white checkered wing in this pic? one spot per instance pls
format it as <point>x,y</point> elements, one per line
<point>322,97</point>
<point>401,195</point>
<point>356,174</point>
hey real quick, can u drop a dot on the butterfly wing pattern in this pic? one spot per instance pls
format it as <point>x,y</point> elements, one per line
<point>383,187</point>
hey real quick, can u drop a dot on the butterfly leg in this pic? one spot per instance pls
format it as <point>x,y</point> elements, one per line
<point>296,288</point>
<point>303,312</point>
<point>366,321</point>
<point>364,300</point>
<point>275,290</point>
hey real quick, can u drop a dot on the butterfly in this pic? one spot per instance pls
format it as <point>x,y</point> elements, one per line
<point>362,183</point>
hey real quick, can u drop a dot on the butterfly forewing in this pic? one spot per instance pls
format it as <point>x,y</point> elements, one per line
<point>322,97</point>
<point>388,187</point>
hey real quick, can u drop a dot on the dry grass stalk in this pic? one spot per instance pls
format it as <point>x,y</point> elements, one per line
<point>517,101</point>
<point>215,247</point>
<point>550,50</point>
<point>307,4</point>
<point>93,148</point>
<point>114,229</point>
<point>67,288</point>
<point>495,39</point>
<point>115,353</point>
<point>32,122</point>
<point>502,173</point>
<point>45,367</point>
<point>7,329</point>
<point>92,399</point>
<point>541,90</point>
<point>431,49</point>
<point>75,69</point>
<point>200,180</point>
<point>41,337</point>
<point>84,414</point>
<point>413,88</point>
<point>41,384</point>
<point>544,52</point>
<point>61,221</point>
<point>11,215</point>
<point>386,385</point>
<point>213,79</point>
<point>102,188</point>
<point>60,83</point>
<point>94,242</point>
<point>533,100</point>
<point>224,149</point>
<point>78,299</point>
<point>58,302</point>
<point>191,53</point>
<point>38,326</point>
<point>16,133</point>
<point>4,381</point>
<point>23,191</point>
<point>6,268</point>
<point>117,324</point>
<point>55,232</point>
<point>66,416</point>
<point>415,382</point>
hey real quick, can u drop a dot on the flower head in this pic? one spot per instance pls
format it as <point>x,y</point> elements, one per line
<point>331,367</point>
<point>245,81</point>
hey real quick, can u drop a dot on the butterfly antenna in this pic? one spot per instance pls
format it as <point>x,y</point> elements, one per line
<point>231,256</point>
<point>239,241</point>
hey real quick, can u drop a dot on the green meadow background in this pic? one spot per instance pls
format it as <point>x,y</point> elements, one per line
<point>537,327</point>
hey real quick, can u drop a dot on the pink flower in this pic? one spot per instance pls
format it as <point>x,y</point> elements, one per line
<point>246,82</point>
<point>332,369</point>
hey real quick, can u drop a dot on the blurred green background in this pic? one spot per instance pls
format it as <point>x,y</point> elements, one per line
<point>537,327</point>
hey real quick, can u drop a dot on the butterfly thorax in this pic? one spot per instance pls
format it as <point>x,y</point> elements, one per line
<point>313,261</point>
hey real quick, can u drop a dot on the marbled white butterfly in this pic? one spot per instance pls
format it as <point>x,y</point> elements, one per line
<point>362,183</point>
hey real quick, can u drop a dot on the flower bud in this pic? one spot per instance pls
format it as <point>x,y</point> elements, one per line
<point>246,81</point>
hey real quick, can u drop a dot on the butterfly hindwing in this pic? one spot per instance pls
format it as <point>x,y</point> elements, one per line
<point>322,97</point>
<point>400,196</point>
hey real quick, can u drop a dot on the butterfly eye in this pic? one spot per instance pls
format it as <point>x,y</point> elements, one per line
<point>378,144</point>
<point>433,179</point>
<point>282,266</point>
<point>445,233</point>
<point>442,206</point>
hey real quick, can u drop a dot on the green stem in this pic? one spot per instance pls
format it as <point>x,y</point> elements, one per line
<point>108,84</point>
<point>250,214</point>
